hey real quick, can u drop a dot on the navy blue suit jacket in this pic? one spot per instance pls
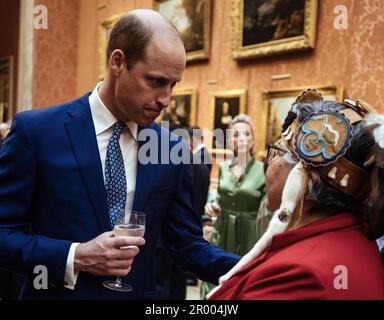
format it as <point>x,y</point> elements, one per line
<point>52,194</point>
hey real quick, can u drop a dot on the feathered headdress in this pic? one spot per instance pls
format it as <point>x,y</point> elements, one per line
<point>320,142</point>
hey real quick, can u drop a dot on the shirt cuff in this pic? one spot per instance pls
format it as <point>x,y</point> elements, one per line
<point>70,272</point>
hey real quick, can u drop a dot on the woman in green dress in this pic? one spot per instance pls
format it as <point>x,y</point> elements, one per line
<point>240,191</point>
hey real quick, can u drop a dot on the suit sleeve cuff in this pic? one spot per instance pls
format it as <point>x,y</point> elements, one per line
<point>70,273</point>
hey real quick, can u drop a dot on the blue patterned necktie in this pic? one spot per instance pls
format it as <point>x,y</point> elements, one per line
<point>115,181</point>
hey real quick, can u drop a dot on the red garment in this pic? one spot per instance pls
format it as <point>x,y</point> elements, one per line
<point>302,264</point>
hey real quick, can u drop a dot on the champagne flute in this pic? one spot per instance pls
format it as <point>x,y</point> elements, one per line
<point>128,223</point>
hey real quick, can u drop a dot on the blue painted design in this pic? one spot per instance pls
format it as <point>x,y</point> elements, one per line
<point>317,138</point>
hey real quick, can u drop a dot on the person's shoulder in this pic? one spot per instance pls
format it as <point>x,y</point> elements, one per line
<point>163,134</point>
<point>225,164</point>
<point>53,112</point>
<point>259,163</point>
<point>289,277</point>
<point>155,128</point>
<point>349,242</point>
<point>258,167</point>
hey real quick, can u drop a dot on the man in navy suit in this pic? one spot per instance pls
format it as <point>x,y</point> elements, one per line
<point>55,210</point>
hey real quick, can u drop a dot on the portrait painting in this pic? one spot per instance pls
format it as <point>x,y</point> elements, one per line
<point>181,111</point>
<point>6,80</point>
<point>192,20</point>
<point>279,102</point>
<point>269,27</point>
<point>225,106</point>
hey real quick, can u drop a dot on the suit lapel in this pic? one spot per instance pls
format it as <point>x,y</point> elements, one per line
<point>81,132</point>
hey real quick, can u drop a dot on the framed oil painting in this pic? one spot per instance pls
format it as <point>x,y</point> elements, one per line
<point>278,103</point>
<point>264,27</point>
<point>224,107</point>
<point>193,20</point>
<point>6,88</point>
<point>181,111</point>
<point>104,31</point>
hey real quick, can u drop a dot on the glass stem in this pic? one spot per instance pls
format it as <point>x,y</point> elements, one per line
<point>118,282</point>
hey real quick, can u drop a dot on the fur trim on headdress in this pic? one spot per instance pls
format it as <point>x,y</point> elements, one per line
<point>293,193</point>
<point>309,95</point>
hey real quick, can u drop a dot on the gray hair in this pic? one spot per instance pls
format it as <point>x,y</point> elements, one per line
<point>242,118</point>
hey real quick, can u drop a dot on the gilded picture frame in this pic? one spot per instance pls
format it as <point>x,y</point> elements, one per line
<point>225,105</point>
<point>103,31</point>
<point>278,102</point>
<point>181,111</point>
<point>193,21</point>
<point>263,28</point>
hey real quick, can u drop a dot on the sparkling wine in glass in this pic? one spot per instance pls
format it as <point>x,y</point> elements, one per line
<point>128,223</point>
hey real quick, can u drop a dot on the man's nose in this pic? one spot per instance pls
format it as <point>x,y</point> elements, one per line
<point>164,97</point>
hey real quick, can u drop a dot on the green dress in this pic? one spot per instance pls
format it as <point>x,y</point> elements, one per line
<point>237,225</point>
<point>235,228</point>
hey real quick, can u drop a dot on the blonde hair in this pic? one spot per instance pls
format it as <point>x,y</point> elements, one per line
<point>243,118</point>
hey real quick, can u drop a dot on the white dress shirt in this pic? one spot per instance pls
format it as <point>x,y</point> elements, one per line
<point>103,121</point>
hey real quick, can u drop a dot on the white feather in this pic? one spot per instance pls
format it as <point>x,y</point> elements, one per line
<point>274,227</point>
<point>373,118</point>
<point>292,194</point>
<point>378,132</point>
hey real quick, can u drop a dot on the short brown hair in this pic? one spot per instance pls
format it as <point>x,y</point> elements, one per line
<point>130,35</point>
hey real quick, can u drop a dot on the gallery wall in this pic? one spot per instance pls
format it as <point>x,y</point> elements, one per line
<point>56,54</point>
<point>66,57</point>
<point>9,35</point>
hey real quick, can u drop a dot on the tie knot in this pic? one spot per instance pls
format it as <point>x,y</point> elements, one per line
<point>118,127</point>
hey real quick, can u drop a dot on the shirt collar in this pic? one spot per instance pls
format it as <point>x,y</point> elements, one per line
<point>103,119</point>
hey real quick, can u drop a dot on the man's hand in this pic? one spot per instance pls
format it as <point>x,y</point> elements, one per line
<point>103,256</point>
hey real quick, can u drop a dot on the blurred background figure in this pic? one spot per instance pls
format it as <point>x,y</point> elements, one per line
<point>201,169</point>
<point>174,116</point>
<point>240,191</point>
<point>171,280</point>
<point>198,148</point>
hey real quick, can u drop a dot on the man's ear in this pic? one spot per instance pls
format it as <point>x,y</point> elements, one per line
<point>117,62</point>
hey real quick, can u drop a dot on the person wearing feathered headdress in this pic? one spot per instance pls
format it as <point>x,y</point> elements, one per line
<point>325,178</point>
